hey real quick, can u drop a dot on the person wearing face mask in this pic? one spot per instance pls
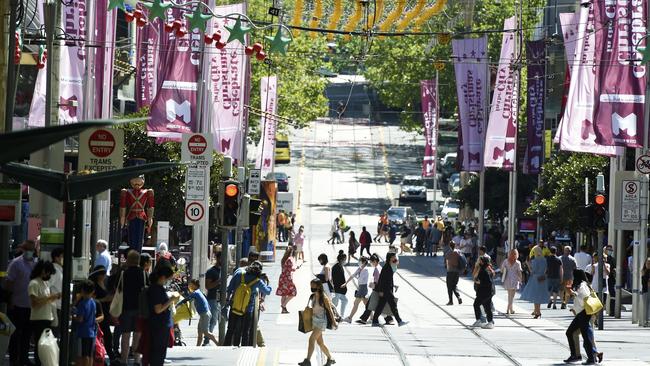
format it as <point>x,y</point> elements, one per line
<point>385,287</point>
<point>132,280</point>
<point>56,283</point>
<point>160,317</point>
<point>362,274</point>
<point>338,279</point>
<point>376,271</point>
<point>42,301</point>
<point>17,282</point>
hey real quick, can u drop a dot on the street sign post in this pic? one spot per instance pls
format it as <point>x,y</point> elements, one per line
<point>196,149</point>
<point>101,149</point>
<point>254,181</point>
<point>643,164</point>
<point>627,200</point>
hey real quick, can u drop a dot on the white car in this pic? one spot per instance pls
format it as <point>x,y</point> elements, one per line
<point>450,210</point>
<point>412,188</point>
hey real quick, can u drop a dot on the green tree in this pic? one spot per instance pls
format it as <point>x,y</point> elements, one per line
<point>562,193</point>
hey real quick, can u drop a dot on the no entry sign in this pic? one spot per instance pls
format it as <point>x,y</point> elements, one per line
<point>196,149</point>
<point>101,149</point>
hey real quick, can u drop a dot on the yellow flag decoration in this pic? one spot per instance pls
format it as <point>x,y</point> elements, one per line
<point>316,17</point>
<point>296,21</point>
<point>393,16</point>
<point>376,14</point>
<point>335,18</point>
<point>434,9</point>
<point>354,19</point>
<point>405,22</point>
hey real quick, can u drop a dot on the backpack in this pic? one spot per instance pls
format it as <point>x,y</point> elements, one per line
<point>462,263</point>
<point>242,296</point>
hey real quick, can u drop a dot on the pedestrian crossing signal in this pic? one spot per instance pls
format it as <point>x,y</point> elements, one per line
<point>601,216</point>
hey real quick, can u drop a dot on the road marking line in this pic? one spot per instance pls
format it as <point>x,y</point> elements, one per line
<point>261,358</point>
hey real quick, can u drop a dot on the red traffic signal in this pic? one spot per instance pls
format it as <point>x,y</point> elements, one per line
<point>600,200</point>
<point>231,190</point>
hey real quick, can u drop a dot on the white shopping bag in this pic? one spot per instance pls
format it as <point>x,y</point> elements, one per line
<point>48,349</point>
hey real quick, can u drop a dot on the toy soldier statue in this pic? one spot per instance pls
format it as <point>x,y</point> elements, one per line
<point>136,211</point>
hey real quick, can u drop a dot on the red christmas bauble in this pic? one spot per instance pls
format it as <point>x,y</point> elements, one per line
<point>207,39</point>
<point>129,17</point>
<point>257,47</point>
<point>40,65</point>
<point>220,45</point>
<point>169,27</point>
<point>216,36</point>
<point>261,56</point>
<point>249,50</point>
<point>141,22</point>
<point>177,24</point>
<point>181,32</point>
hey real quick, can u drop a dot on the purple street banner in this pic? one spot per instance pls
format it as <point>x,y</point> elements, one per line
<point>620,72</point>
<point>470,66</point>
<point>577,129</point>
<point>268,123</point>
<point>569,24</point>
<point>535,102</point>
<point>173,110</point>
<point>429,95</point>
<point>225,71</point>
<point>72,68</point>
<point>501,136</point>
<point>105,25</point>
<point>147,59</point>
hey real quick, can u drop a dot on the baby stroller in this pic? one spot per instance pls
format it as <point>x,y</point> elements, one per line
<point>183,311</point>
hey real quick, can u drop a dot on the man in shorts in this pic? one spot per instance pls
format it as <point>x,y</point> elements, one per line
<point>202,307</point>
<point>554,275</point>
<point>84,324</point>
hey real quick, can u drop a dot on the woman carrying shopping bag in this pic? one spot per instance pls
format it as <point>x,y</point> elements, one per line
<point>322,319</point>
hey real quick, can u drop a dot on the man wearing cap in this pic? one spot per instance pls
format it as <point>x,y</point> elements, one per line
<point>136,211</point>
<point>19,312</point>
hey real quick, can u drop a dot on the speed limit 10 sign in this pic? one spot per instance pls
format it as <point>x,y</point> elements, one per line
<point>194,212</point>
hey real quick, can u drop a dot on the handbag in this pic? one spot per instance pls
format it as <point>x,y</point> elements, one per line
<point>118,299</point>
<point>305,321</point>
<point>593,305</point>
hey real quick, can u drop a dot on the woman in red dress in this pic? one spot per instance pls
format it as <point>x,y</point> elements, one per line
<point>286,287</point>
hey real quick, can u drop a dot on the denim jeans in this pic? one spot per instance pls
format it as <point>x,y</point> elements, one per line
<point>215,310</point>
<point>344,302</point>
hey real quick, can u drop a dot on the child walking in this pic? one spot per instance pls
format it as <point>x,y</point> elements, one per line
<point>202,307</point>
<point>85,324</point>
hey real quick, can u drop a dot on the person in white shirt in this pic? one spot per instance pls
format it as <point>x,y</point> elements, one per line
<point>593,270</point>
<point>467,248</point>
<point>103,257</point>
<point>56,283</point>
<point>581,322</point>
<point>362,274</point>
<point>42,300</point>
<point>583,259</point>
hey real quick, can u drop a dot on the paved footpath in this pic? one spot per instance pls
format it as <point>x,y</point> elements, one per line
<point>351,170</point>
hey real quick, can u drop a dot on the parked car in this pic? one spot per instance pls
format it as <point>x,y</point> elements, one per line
<point>283,181</point>
<point>412,188</point>
<point>403,215</point>
<point>450,210</point>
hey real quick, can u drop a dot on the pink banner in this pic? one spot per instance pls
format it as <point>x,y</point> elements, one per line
<point>577,130</point>
<point>621,74</point>
<point>266,147</point>
<point>535,97</point>
<point>501,134</point>
<point>72,68</point>
<point>429,95</point>
<point>569,24</point>
<point>147,60</point>
<point>470,66</point>
<point>105,23</point>
<point>173,110</point>
<point>225,86</point>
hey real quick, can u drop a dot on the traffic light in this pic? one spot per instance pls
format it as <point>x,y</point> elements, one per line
<point>229,203</point>
<point>601,216</point>
<point>586,217</point>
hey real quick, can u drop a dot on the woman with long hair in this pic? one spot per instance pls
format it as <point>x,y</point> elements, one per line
<point>581,321</point>
<point>325,275</point>
<point>353,244</point>
<point>104,296</point>
<point>338,279</point>
<point>536,290</point>
<point>512,272</point>
<point>160,317</point>
<point>42,301</point>
<point>360,295</point>
<point>299,241</point>
<point>322,319</point>
<point>286,286</point>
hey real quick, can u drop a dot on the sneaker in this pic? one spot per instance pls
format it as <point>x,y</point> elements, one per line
<point>375,324</point>
<point>554,307</point>
<point>306,362</point>
<point>360,321</point>
<point>563,306</point>
<point>402,323</point>
<point>549,304</point>
<point>450,303</point>
<point>477,323</point>
<point>348,320</point>
<point>573,359</point>
<point>330,362</point>
<point>589,362</point>
<point>460,301</point>
<point>390,323</point>
<point>489,325</point>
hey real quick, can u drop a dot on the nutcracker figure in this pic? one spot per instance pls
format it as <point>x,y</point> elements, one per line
<point>136,212</point>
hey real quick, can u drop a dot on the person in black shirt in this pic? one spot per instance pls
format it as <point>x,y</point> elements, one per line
<point>338,279</point>
<point>385,287</point>
<point>132,280</point>
<point>213,284</point>
<point>160,318</point>
<point>483,286</point>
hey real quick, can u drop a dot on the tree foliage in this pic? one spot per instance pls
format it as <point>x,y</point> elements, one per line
<point>562,193</point>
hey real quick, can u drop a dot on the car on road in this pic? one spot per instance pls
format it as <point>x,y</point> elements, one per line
<point>283,181</point>
<point>450,210</point>
<point>412,188</point>
<point>453,185</point>
<point>282,150</point>
<point>403,215</point>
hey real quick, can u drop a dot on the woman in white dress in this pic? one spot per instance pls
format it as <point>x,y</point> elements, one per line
<point>511,270</point>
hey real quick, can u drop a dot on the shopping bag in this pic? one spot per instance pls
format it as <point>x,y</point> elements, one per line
<point>305,324</point>
<point>593,305</point>
<point>48,349</point>
<point>183,312</point>
<point>100,350</point>
<point>118,299</point>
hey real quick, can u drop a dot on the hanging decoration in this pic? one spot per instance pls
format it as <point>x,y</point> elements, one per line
<point>406,21</point>
<point>316,17</point>
<point>444,38</point>
<point>393,16</point>
<point>434,9</point>
<point>42,57</point>
<point>197,14</point>
<point>439,65</point>
<point>296,21</point>
<point>379,9</point>
<point>335,18</point>
<point>18,49</point>
<point>354,20</point>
